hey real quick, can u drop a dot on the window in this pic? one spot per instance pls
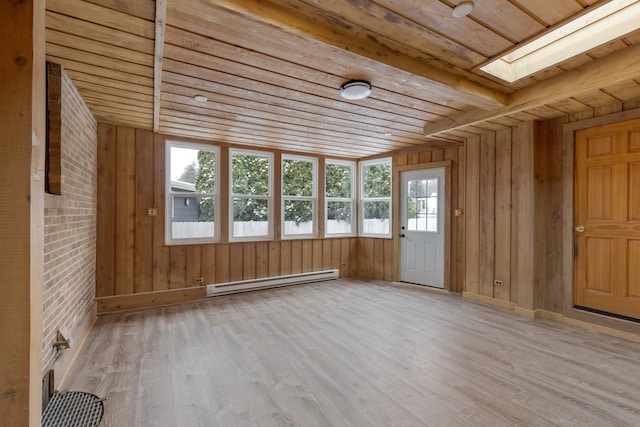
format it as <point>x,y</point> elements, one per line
<point>422,203</point>
<point>375,198</point>
<point>191,193</point>
<point>339,198</point>
<point>299,177</point>
<point>251,195</point>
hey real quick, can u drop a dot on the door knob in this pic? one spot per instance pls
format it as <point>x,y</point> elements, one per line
<point>402,235</point>
<point>580,229</point>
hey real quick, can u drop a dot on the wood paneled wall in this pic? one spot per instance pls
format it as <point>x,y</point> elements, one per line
<point>378,258</point>
<point>519,211</point>
<point>511,185</point>
<point>132,257</point>
<point>501,214</point>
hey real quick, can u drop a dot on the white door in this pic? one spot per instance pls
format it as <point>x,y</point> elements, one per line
<point>422,227</point>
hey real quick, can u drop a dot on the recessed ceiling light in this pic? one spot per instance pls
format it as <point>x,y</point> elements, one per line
<point>600,25</point>
<point>355,89</point>
<point>463,9</point>
<point>200,98</point>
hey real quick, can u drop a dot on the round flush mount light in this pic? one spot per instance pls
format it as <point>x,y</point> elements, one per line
<point>200,98</point>
<point>463,9</point>
<point>355,89</point>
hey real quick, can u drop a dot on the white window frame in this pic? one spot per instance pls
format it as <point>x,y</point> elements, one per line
<point>313,198</point>
<point>269,198</point>
<point>361,167</point>
<point>351,199</point>
<point>169,195</point>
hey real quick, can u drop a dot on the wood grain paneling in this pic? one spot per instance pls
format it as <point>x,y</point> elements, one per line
<point>488,189</point>
<point>132,257</point>
<point>275,86</point>
<point>105,239</point>
<point>124,209</point>
<point>503,236</point>
<point>472,215</point>
<point>507,214</point>
<point>143,245</point>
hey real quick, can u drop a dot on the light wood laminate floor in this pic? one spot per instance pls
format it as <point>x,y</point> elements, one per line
<point>353,353</point>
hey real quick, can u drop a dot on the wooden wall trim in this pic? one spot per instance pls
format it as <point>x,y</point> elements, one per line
<point>604,324</point>
<point>429,165</point>
<point>447,226</point>
<point>489,300</point>
<point>620,116</point>
<point>594,322</point>
<point>117,303</point>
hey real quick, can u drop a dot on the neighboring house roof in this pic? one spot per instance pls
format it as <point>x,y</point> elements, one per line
<point>183,186</point>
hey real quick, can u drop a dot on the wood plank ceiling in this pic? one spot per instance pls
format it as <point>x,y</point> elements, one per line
<point>271,70</point>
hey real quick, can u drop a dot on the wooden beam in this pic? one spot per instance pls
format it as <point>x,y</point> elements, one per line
<point>117,303</point>
<point>446,83</point>
<point>22,132</point>
<point>161,23</point>
<point>621,65</point>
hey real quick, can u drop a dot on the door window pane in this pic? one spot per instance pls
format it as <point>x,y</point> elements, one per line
<point>422,205</point>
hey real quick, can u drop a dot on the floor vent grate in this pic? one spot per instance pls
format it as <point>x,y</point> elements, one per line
<point>73,408</point>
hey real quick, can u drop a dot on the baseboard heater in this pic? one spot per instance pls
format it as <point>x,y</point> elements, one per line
<point>270,282</point>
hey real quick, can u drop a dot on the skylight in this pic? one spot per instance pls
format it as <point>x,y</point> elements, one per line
<point>602,24</point>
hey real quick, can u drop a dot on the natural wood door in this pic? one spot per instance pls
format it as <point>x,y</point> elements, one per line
<point>607,269</point>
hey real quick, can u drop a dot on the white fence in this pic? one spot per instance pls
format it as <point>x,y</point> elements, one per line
<point>192,230</point>
<point>195,230</point>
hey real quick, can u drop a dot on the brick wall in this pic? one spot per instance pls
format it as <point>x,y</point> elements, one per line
<point>70,229</point>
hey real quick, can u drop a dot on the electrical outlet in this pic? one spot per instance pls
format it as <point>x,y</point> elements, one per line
<point>199,280</point>
<point>498,283</point>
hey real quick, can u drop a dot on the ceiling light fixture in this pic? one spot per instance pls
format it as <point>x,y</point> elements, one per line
<point>463,9</point>
<point>200,98</point>
<point>355,89</point>
<point>600,25</point>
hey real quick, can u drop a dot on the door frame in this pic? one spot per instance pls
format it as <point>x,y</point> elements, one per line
<point>446,164</point>
<point>569,313</point>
